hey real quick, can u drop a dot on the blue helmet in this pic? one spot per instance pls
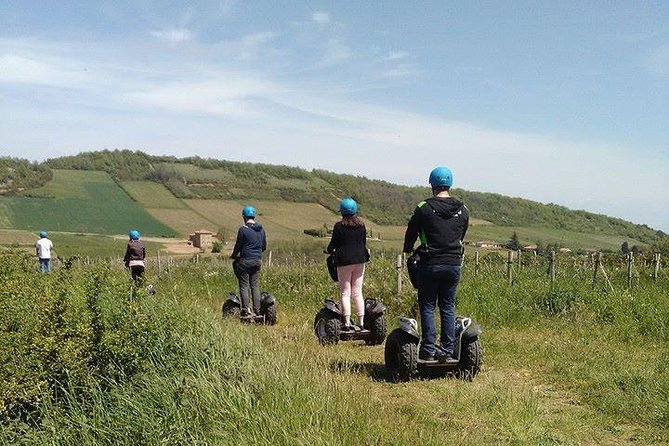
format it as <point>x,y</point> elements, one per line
<point>348,207</point>
<point>441,177</point>
<point>134,234</point>
<point>43,234</point>
<point>249,212</point>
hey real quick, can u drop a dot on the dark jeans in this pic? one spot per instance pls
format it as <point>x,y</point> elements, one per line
<point>437,285</point>
<point>45,265</point>
<point>248,275</point>
<point>137,272</point>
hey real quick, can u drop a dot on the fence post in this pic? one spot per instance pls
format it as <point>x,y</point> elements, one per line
<point>598,259</point>
<point>399,273</point>
<point>551,268</point>
<point>476,263</point>
<point>630,261</point>
<point>269,259</point>
<point>519,253</point>
<point>656,268</point>
<point>509,267</point>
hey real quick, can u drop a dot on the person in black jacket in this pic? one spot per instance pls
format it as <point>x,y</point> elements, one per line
<point>349,245</point>
<point>441,223</point>
<point>134,256</point>
<point>251,243</point>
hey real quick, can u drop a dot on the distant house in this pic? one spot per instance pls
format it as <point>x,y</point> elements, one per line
<point>202,239</point>
<point>488,244</point>
<point>564,250</point>
<point>530,248</point>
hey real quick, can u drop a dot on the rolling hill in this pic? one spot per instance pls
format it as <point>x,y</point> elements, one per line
<point>106,190</point>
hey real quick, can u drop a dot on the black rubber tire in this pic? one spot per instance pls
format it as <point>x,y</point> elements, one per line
<point>270,314</point>
<point>401,356</point>
<point>471,359</point>
<point>327,327</point>
<point>231,310</point>
<point>377,328</point>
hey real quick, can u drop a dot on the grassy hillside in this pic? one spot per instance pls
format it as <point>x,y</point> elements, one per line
<point>383,202</point>
<point>161,183</point>
<point>78,201</point>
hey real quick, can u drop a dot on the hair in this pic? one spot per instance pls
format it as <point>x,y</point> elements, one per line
<point>352,221</point>
<point>437,189</point>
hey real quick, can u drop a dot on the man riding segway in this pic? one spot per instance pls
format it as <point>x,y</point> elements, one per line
<point>441,222</point>
<point>251,243</point>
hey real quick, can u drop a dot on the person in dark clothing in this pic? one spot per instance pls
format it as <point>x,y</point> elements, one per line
<point>349,245</point>
<point>441,222</point>
<point>134,256</point>
<point>251,243</point>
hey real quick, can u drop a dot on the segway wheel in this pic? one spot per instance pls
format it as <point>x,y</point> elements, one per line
<point>231,310</point>
<point>327,328</point>
<point>377,330</point>
<point>270,315</point>
<point>401,356</point>
<point>471,360</point>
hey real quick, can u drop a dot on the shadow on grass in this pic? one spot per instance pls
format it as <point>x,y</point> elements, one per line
<point>374,370</point>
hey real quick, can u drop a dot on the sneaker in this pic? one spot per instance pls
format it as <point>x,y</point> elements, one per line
<point>444,357</point>
<point>350,328</point>
<point>425,356</point>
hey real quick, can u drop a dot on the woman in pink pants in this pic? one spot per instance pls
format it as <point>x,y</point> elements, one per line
<point>349,246</point>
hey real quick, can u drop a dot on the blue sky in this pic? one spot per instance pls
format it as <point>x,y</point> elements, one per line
<point>564,102</point>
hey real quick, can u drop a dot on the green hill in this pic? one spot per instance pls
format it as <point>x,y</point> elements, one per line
<point>143,177</point>
<point>78,201</point>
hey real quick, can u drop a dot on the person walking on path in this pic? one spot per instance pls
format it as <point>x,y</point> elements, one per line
<point>43,248</point>
<point>349,245</point>
<point>134,256</point>
<point>441,222</point>
<point>250,244</point>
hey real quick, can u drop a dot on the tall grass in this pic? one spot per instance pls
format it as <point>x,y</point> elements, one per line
<point>565,363</point>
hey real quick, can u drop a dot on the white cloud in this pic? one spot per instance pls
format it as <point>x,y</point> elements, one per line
<point>321,17</point>
<point>257,38</point>
<point>175,35</point>
<point>397,55</point>
<point>31,70</point>
<point>336,51</point>
<point>401,70</point>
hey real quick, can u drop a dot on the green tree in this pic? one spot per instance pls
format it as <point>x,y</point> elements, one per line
<point>513,243</point>
<point>625,247</point>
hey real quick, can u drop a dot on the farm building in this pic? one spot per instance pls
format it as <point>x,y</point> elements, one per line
<point>488,244</point>
<point>202,239</point>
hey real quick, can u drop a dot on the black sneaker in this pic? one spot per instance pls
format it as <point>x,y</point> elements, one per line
<point>443,357</point>
<point>425,356</point>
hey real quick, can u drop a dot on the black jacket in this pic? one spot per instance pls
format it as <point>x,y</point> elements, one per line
<point>251,242</point>
<point>441,224</point>
<point>134,251</point>
<point>349,244</point>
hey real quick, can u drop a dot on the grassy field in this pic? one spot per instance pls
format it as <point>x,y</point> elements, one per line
<point>529,235</point>
<point>71,245</point>
<point>564,365</point>
<point>152,195</point>
<point>79,201</point>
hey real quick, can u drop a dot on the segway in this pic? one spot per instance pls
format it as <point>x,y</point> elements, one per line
<point>232,308</point>
<point>403,363</point>
<point>329,322</point>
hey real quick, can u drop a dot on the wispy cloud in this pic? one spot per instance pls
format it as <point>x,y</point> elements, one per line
<point>336,51</point>
<point>321,17</point>
<point>257,38</point>
<point>396,55</point>
<point>175,35</point>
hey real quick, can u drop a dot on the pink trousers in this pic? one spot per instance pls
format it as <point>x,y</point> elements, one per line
<point>350,286</point>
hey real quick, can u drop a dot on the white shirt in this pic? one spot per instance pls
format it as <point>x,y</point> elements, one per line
<point>44,247</point>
